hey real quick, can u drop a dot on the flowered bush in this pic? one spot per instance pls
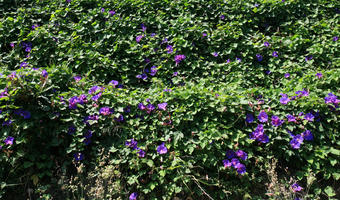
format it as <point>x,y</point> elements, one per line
<point>169,99</point>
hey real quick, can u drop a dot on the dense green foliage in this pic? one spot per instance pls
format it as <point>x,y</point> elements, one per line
<point>240,58</point>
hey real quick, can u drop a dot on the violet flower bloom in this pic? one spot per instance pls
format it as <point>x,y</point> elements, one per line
<point>132,144</point>
<point>23,65</point>
<point>12,45</point>
<point>335,38</point>
<point>78,156</point>
<point>319,75</point>
<point>308,58</point>
<point>296,187</point>
<point>241,154</point>
<point>153,35</point>
<point>141,153</point>
<point>71,130</point>
<point>149,108</point>
<point>153,70</point>
<point>226,163</point>
<point>239,59</point>
<point>88,134</point>
<point>82,99</point>
<point>175,74</point>
<point>161,149</point>
<point>296,141</point>
<point>169,49</point>
<point>73,101</point>
<point>133,196</point>
<point>263,117</point>
<point>44,73</point>
<point>249,118</point>
<point>230,154</point>
<point>94,89</point>
<point>287,75</point>
<point>331,98</point>
<point>96,97</point>
<point>105,111</point>
<point>119,119</point>
<point>9,140</point>
<point>162,106</point>
<point>7,122</point>
<point>307,135</point>
<point>141,106</point>
<point>102,10</point>
<point>113,82</point>
<point>275,54</point>
<point>77,78</point>
<point>143,27</point>
<point>215,54</point>
<point>259,57</point>
<point>204,34</point>
<point>266,44</point>
<point>234,162</point>
<point>222,17</point>
<point>26,114</point>
<point>228,61</point>
<point>276,121</point>
<point>179,58</point>
<point>112,12</point>
<point>240,168</point>
<point>139,38</point>
<point>291,118</point>
<point>309,117</point>
<point>284,100</point>
<point>302,93</point>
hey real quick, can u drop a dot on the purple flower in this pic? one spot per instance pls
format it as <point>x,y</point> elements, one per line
<point>249,118</point>
<point>113,82</point>
<point>241,154</point>
<point>275,54</point>
<point>276,121</point>
<point>94,89</point>
<point>234,162</point>
<point>105,111</point>
<point>161,149</point>
<point>87,141</point>
<point>319,75</point>
<point>259,135</point>
<point>112,12</point>
<point>132,144</point>
<point>133,196</point>
<point>34,26</point>
<point>143,27</point>
<point>266,44</point>
<point>308,58</point>
<point>7,122</point>
<point>287,75</point>
<point>71,130</point>
<point>230,154</point>
<point>139,38</point>
<point>141,153</point>
<point>228,61</point>
<point>302,93</point>
<point>179,58</point>
<point>44,73</point>
<point>77,78</point>
<point>26,114</point>
<point>291,118</point>
<point>153,34</point>
<point>142,76</point>
<point>240,168</point>
<point>215,54</point>
<point>204,34</point>
<point>175,74</point>
<point>149,108</point>
<point>226,163</point>
<point>88,134</point>
<point>296,187</point>
<point>222,17</point>
<point>331,98</point>
<point>12,45</point>
<point>82,99</point>
<point>238,59</point>
<point>119,119</point>
<point>307,135</point>
<point>162,106</point>
<point>284,100</point>
<point>259,57</point>
<point>78,156</point>
<point>9,140</point>
<point>96,97</point>
<point>23,65</point>
<point>169,49</point>
<point>296,141</point>
<point>153,70</point>
<point>309,117</point>
<point>263,117</point>
<point>335,38</point>
<point>73,101</point>
<point>141,106</point>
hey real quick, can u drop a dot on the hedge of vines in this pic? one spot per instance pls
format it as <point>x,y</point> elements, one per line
<point>182,99</point>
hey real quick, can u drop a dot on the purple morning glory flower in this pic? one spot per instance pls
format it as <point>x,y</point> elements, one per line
<point>161,149</point>
<point>44,73</point>
<point>26,114</point>
<point>234,162</point>
<point>275,54</point>
<point>268,72</point>
<point>319,75</point>
<point>284,100</point>
<point>143,27</point>
<point>113,82</point>
<point>94,89</point>
<point>309,117</point>
<point>175,74</point>
<point>105,111</point>
<point>96,97</point>
<point>259,57</point>
<point>204,34</point>
<point>222,17</point>
<point>35,26</point>
<point>12,45</point>
<point>179,58</point>
<point>112,12</point>
<point>102,10</point>
<point>302,93</point>
<point>141,106</point>
<point>133,196</point>
<point>153,70</point>
<point>73,101</point>
<point>82,99</point>
<point>149,108</point>
<point>71,130</point>
<point>263,117</point>
<point>226,163</point>
<point>335,38</point>
<point>296,187</point>
<point>331,98</point>
<point>132,144</point>
<point>23,65</point>
<point>287,75</point>
<point>307,135</point>
<point>276,121</point>
<point>88,134</point>
<point>240,168</point>
<point>9,140</point>
<point>296,141</point>
<point>7,122</point>
<point>230,154</point>
<point>215,54</point>
<point>228,61</point>
<point>78,156</point>
<point>308,58</point>
<point>266,44</point>
<point>139,38</point>
<point>77,78</point>
<point>169,49</point>
<point>153,34</point>
<point>291,118</point>
<point>87,141</point>
<point>238,59</point>
<point>249,118</point>
<point>241,154</point>
<point>141,153</point>
<point>162,106</point>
